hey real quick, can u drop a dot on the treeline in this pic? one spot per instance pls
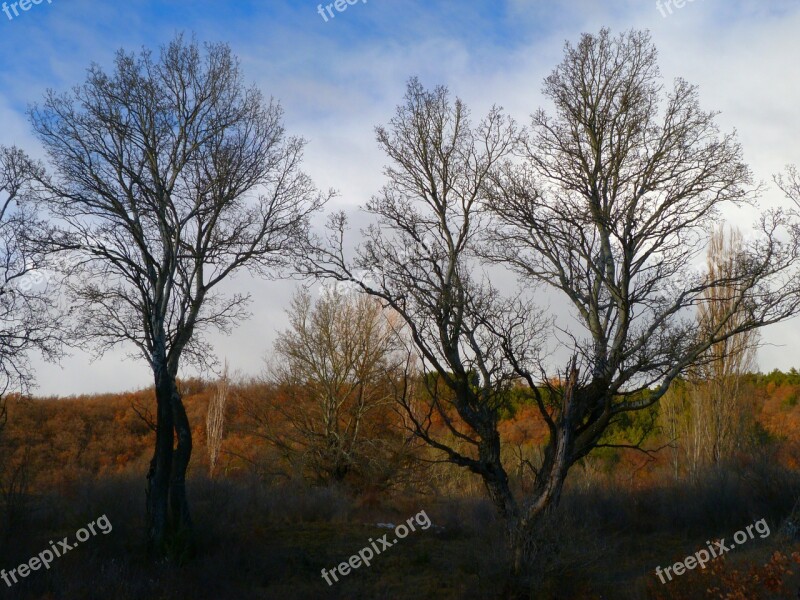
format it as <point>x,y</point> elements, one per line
<point>51,444</point>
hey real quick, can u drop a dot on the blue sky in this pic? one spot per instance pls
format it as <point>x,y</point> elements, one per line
<point>338,79</point>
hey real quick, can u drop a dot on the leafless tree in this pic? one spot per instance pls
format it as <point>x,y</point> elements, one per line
<point>790,184</point>
<point>723,413</point>
<point>332,371</point>
<point>706,413</point>
<point>169,177</point>
<point>27,320</point>
<point>215,419</point>
<point>610,205</point>
<point>420,260</point>
<point>28,315</point>
<point>673,410</point>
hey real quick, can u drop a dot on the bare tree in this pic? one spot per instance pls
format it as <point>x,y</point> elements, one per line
<point>673,411</point>
<point>169,177</point>
<point>215,419</point>
<point>332,371</point>
<point>722,410</point>
<point>789,183</point>
<point>706,414</point>
<point>27,321</point>
<point>420,260</point>
<point>28,318</point>
<point>611,205</point>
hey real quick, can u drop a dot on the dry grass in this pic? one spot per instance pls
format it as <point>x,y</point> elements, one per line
<point>263,541</point>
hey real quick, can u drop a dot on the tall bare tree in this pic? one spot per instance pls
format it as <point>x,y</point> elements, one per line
<point>169,177</point>
<point>420,259</point>
<point>611,204</point>
<point>722,415</point>
<point>27,321</point>
<point>28,307</point>
<point>706,414</point>
<point>673,411</point>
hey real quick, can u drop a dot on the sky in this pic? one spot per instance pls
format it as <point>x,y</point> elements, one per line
<point>338,77</point>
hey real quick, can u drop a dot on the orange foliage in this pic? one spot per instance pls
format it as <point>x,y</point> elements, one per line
<point>62,439</point>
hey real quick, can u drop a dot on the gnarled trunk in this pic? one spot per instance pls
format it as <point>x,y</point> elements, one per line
<point>179,505</point>
<point>158,476</point>
<point>558,457</point>
<point>522,531</point>
<point>169,524</point>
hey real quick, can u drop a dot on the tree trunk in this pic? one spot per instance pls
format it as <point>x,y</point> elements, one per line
<point>158,476</point>
<point>169,524</point>
<point>522,532</point>
<point>549,483</point>
<point>179,505</point>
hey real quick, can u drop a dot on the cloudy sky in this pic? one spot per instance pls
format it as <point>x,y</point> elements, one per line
<point>337,79</point>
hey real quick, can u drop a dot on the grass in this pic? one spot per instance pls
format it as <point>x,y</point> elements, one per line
<point>260,541</point>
